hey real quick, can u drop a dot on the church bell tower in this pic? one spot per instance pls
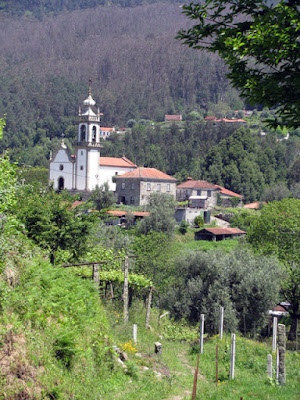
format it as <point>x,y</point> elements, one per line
<point>88,145</point>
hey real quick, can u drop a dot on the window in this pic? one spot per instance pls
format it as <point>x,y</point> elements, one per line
<point>168,187</point>
<point>81,167</point>
<point>131,200</point>
<point>132,186</point>
<point>158,187</point>
<point>81,153</point>
<point>61,167</point>
<point>123,185</point>
<point>209,193</point>
<point>148,186</point>
<point>116,173</point>
<point>94,134</point>
<point>82,133</point>
<point>198,192</point>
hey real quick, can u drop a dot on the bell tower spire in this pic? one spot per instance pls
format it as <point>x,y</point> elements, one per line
<point>88,144</point>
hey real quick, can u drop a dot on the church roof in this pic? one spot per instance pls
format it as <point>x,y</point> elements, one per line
<point>116,162</point>
<point>151,173</point>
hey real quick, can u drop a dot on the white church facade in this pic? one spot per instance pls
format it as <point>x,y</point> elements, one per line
<point>86,169</point>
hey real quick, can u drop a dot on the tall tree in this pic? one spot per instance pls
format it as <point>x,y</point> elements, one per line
<point>277,231</point>
<point>260,44</point>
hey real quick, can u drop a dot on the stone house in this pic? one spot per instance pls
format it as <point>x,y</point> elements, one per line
<point>204,195</point>
<point>136,186</point>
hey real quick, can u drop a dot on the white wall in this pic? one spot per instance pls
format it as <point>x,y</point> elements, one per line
<point>106,173</point>
<point>61,159</point>
<point>81,158</point>
<point>93,169</point>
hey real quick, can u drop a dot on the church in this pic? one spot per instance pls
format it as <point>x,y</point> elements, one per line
<point>86,169</point>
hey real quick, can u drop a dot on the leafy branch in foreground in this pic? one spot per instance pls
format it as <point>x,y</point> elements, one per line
<point>260,45</point>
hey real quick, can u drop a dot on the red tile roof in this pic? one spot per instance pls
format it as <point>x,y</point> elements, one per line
<point>116,162</point>
<point>118,213</point>
<point>254,206</point>
<point>76,203</point>
<point>228,192</point>
<point>102,128</point>
<point>190,184</point>
<point>210,118</point>
<point>173,117</point>
<point>150,173</point>
<point>223,231</point>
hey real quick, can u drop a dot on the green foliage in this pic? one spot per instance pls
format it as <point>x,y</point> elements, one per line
<point>8,179</point>
<point>51,222</point>
<point>102,198</point>
<point>161,207</point>
<point>178,330</point>
<point>183,227</point>
<point>235,201</point>
<point>199,221</point>
<point>153,253</point>
<point>264,67</point>
<point>34,175</point>
<point>244,284</point>
<point>276,192</point>
<point>277,231</point>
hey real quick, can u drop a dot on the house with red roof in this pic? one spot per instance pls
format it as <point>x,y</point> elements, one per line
<point>215,234</point>
<point>171,118</point>
<point>204,195</point>
<point>135,187</point>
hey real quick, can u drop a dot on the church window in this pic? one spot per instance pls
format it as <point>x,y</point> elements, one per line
<point>82,133</point>
<point>116,173</point>
<point>94,134</point>
<point>123,185</point>
<point>148,186</point>
<point>81,167</point>
<point>61,167</point>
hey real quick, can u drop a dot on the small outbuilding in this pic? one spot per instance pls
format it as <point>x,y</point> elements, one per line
<point>216,234</point>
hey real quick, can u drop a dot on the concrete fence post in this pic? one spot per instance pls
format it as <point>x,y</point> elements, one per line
<point>201,332</point>
<point>274,334</point>
<point>269,366</point>
<point>221,323</point>
<point>232,356</point>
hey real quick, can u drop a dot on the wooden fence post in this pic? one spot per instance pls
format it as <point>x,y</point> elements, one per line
<point>217,362</point>
<point>232,356</point>
<point>134,333</point>
<point>274,334</point>
<point>281,351</point>
<point>221,322</point>
<point>96,273</point>
<point>269,367</point>
<point>201,332</point>
<point>125,294</point>
<point>149,307</point>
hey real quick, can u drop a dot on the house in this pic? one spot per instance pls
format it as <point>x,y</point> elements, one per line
<point>204,195</point>
<point>86,169</point>
<point>136,186</point>
<point>119,217</point>
<point>216,234</point>
<point>106,132</point>
<point>239,121</point>
<point>171,118</point>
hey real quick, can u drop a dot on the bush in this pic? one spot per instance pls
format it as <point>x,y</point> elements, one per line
<point>183,228</point>
<point>199,221</point>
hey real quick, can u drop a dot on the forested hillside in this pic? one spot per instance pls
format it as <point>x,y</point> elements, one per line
<point>137,67</point>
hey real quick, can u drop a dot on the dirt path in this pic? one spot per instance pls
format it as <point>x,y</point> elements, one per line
<point>186,394</point>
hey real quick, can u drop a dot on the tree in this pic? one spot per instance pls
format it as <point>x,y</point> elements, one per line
<point>51,222</point>
<point>260,44</point>
<point>276,192</point>
<point>8,179</point>
<point>161,207</point>
<point>102,197</point>
<point>277,231</point>
<point>246,285</point>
